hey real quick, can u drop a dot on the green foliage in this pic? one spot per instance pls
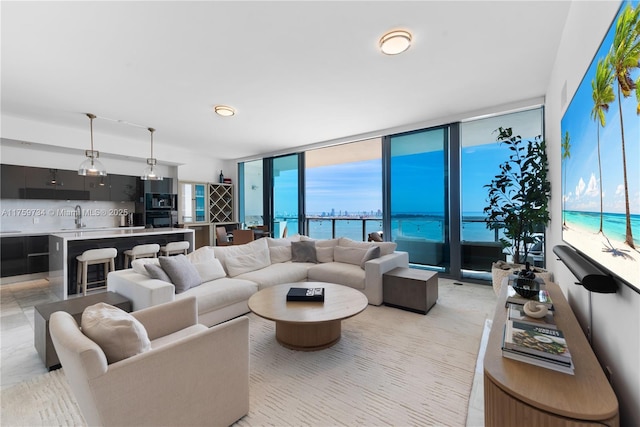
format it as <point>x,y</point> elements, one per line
<point>518,198</point>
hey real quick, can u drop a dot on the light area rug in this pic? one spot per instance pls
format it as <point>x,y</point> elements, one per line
<point>391,367</point>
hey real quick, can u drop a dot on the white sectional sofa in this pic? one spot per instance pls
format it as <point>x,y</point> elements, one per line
<point>229,275</point>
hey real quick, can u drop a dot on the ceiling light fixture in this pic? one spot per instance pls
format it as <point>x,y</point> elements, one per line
<point>395,42</point>
<point>150,173</point>
<point>91,166</point>
<point>224,110</point>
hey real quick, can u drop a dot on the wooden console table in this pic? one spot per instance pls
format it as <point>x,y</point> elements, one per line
<point>517,393</point>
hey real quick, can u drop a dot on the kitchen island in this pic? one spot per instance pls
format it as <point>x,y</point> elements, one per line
<point>65,246</point>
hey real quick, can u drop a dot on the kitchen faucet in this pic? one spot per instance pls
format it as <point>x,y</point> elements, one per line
<point>79,223</point>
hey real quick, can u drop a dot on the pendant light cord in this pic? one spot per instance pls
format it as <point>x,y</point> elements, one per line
<point>91,117</point>
<point>152,130</point>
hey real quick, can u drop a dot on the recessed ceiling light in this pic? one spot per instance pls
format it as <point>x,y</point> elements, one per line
<point>224,110</point>
<point>395,42</point>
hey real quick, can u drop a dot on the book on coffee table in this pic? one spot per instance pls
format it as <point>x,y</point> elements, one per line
<point>306,294</point>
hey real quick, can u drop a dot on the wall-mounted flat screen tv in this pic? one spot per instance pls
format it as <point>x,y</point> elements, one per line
<point>601,154</point>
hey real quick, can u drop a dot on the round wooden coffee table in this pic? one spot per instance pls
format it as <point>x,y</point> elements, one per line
<point>308,325</point>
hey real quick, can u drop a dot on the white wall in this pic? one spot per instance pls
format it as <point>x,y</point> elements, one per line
<point>616,317</point>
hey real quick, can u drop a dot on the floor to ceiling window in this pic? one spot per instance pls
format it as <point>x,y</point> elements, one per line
<point>433,206</point>
<point>479,160</point>
<point>418,196</point>
<point>343,190</point>
<point>286,192</point>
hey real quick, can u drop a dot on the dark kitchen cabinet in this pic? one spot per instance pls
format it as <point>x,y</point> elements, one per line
<point>70,186</point>
<point>165,186</point>
<point>13,256</point>
<point>37,253</point>
<point>124,188</point>
<point>54,184</point>
<point>40,183</point>
<point>12,181</point>
<point>24,255</point>
<point>98,187</point>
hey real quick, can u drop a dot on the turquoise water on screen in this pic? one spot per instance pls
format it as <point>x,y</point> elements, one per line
<point>614,225</point>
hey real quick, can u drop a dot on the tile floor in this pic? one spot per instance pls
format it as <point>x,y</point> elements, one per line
<point>19,359</point>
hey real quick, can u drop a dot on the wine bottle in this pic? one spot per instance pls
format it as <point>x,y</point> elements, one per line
<point>221,177</point>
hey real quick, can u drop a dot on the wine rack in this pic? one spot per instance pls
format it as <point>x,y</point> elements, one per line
<point>220,203</point>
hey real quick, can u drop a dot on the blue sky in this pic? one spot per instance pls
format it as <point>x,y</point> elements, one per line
<point>583,186</point>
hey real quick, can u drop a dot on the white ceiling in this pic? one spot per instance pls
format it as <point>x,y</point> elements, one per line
<point>297,72</point>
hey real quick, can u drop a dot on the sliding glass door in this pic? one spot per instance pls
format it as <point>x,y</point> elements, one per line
<point>286,195</point>
<point>418,196</point>
<point>480,158</point>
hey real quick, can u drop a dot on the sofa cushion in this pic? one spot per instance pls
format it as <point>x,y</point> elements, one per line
<point>138,264</point>
<point>386,248</point>
<point>276,274</point>
<point>210,270</point>
<point>119,334</point>
<point>156,272</point>
<point>337,272</point>
<point>258,247</point>
<point>324,248</point>
<point>203,254</point>
<point>182,273</point>
<point>280,254</point>
<point>349,255</point>
<point>271,242</point>
<point>372,253</point>
<point>220,293</point>
<point>247,262</point>
<point>304,251</point>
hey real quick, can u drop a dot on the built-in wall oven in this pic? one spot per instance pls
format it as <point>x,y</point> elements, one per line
<point>160,210</point>
<point>160,201</point>
<point>160,219</point>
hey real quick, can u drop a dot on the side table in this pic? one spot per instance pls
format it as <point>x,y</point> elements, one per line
<point>410,289</point>
<point>73,306</point>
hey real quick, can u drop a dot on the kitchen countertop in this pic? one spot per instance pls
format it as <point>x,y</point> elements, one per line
<point>117,232</point>
<point>18,233</point>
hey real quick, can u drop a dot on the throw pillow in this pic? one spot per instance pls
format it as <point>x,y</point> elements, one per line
<point>324,249</point>
<point>119,334</point>
<point>280,253</point>
<point>372,253</point>
<point>258,247</point>
<point>271,242</point>
<point>138,265</point>
<point>303,252</point>
<point>203,254</point>
<point>386,248</point>
<point>210,270</point>
<point>245,263</point>
<point>349,255</point>
<point>156,272</point>
<point>182,273</point>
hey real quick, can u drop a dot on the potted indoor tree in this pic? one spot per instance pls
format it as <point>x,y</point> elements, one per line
<point>518,197</point>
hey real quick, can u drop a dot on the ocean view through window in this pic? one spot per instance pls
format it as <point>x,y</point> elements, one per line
<point>340,192</point>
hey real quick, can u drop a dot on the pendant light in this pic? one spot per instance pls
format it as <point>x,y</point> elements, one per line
<point>150,172</point>
<point>91,166</point>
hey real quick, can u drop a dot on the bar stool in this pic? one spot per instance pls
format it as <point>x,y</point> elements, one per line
<point>173,248</point>
<point>105,256</point>
<point>141,251</point>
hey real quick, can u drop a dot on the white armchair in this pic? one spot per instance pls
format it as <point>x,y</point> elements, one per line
<point>193,375</point>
